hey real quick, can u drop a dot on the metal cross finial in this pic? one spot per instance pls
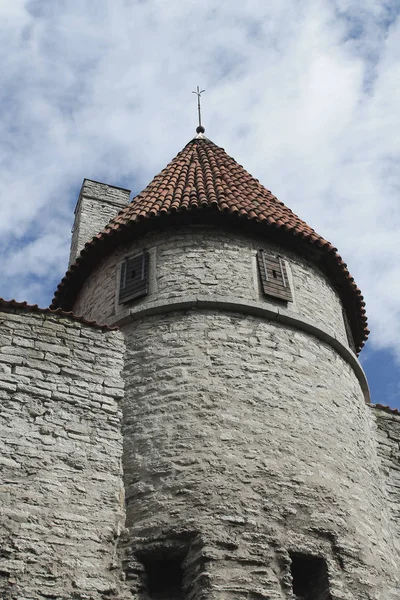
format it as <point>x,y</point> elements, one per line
<point>200,128</point>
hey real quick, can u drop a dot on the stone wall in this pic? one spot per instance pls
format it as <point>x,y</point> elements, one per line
<point>223,264</point>
<point>61,477</point>
<point>388,436</point>
<point>246,441</point>
<point>98,203</point>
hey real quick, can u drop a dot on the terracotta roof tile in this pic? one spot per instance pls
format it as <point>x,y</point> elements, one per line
<point>393,411</point>
<point>203,176</point>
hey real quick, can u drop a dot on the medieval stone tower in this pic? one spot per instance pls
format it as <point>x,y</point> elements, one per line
<point>215,438</point>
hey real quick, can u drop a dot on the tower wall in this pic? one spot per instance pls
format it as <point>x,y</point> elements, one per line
<point>61,446</point>
<point>246,433</point>
<point>97,204</point>
<point>255,441</point>
<point>198,262</point>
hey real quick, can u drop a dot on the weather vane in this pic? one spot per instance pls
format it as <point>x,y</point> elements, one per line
<point>200,128</point>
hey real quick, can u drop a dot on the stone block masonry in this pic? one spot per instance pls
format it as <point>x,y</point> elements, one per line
<point>388,437</point>
<point>205,262</point>
<point>98,203</point>
<point>247,439</point>
<point>61,490</point>
<point>254,440</point>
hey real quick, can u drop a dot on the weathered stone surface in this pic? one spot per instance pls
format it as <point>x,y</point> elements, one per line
<point>204,261</point>
<point>245,439</point>
<point>98,203</point>
<point>388,439</point>
<point>60,462</point>
<point>242,430</point>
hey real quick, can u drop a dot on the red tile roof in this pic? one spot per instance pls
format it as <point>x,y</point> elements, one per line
<point>7,304</point>
<point>203,177</point>
<point>393,411</point>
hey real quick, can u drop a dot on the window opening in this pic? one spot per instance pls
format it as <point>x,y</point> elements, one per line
<point>134,277</point>
<point>273,275</point>
<point>310,577</point>
<point>164,578</point>
<point>349,334</point>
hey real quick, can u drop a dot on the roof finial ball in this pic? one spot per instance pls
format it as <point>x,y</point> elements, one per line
<point>198,92</point>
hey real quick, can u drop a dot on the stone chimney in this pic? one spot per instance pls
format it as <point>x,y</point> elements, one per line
<point>98,203</point>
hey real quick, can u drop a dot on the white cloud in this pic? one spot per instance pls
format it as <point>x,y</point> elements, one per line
<point>304,95</point>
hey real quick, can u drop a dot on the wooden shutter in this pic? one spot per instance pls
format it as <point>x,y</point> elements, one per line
<point>273,276</point>
<point>134,277</point>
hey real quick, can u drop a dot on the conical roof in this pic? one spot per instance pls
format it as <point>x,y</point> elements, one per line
<point>203,176</point>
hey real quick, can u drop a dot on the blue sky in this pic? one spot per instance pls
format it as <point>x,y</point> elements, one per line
<point>304,94</point>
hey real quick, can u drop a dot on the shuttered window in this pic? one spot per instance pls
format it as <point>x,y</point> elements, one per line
<point>273,276</point>
<point>134,277</point>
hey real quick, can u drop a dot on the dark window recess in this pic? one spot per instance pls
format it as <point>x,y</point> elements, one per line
<point>349,334</point>
<point>310,577</point>
<point>134,280</point>
<point>164,579</point>
<point>274,277</point>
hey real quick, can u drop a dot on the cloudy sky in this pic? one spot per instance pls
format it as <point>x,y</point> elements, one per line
<point>305,94</point>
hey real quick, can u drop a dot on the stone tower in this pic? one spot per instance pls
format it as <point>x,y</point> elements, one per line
<point>253,464</point>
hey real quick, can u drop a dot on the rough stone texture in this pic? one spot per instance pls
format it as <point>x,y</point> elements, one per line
<point>98,203</point>
<point>388,436</point>
<point>208,261</point>
<point>252,440</point>
<point>245,440</point>
<point>61,479</point>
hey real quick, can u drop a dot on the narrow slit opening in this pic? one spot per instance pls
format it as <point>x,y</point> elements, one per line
<point>310,577</point>
<point>164,578</point>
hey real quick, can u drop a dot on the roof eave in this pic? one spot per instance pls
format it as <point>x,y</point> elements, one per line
<point>103,243</point>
